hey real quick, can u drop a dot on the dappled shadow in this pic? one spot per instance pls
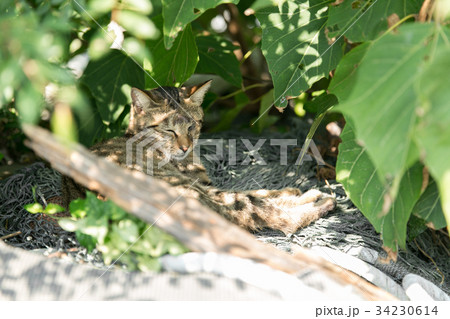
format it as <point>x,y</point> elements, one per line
<point>296,47</point>
<point>28,276</point>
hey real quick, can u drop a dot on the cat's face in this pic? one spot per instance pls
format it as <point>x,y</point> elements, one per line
<point>172,115</point>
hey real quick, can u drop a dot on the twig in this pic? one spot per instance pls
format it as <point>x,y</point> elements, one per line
<point>11,235</point>
<point>432,260</point>
<point>425,10</point>
<point>244,89</point>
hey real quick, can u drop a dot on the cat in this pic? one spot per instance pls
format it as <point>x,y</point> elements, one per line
<point>168,120</point>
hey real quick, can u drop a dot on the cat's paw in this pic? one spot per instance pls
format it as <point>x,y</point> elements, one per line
<point>300,211</point>
<point>311,206</point>
<point>275,193</point>
<point>290,191</point>
<point>203,178</point>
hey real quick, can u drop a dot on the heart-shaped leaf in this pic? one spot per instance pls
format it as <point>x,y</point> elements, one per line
<point>354,166</point>
<point>362,20</point>
<point>110,79</point>
<point>178,13</point>
<point>429,208</point>
<point>217,57</point>
<point>382,103</point>
<point>174,66</point>
<point>433,131</point>
<point>296,47</point>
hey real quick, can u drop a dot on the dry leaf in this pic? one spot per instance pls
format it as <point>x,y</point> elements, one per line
<point>391,255</point>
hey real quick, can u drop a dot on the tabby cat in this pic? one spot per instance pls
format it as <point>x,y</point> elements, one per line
<point>171,118</point>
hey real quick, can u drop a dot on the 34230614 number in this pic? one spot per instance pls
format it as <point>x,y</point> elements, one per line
<point>406,310</point>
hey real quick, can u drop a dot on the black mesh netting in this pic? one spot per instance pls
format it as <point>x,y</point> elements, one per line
<point>342,229</point>
<point>37,231</point>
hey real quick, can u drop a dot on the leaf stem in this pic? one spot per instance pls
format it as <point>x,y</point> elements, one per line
<point>444,36</point>
<point>244,89</point>
<point>311,133</point>
<point>246,56</point>
<point>397,24</point>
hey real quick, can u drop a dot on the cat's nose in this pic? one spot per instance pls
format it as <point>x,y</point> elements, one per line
<point>184,148</point>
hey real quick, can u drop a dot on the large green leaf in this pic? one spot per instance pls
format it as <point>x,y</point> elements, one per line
<point>393,228</point>
<point>217,57</point>
<point>296,47</point>
<point>171,67</point>
<point>321,104</point>
<point>429,208</point>
<point>364,20</point>
<point>382,104</point>
<point>178,13</point>
<point>110,79</point>
<point>357,173</point>
<point>345,77</point>
<point>433,131</point>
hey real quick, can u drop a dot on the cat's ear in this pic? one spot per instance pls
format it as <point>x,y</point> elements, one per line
<point>197,93</point>
<point>141,100</point>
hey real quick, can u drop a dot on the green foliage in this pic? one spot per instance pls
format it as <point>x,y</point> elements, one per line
<point>386,88</point>
<point>109,79</point>
<point>397,91</point>
<point>432,130</point>
<point>177,15</point>
<point>114,232</point>
<point>174,66</point>
<point>31,53</point>
<point>321,103</point>
<point>137,23</point>
<point>369,60</point>
<point>428,207</point>
<point>345,77</point>
<point>264,119</point>
<point>50,209</point>
<point>216,56</point>
<point>354,165</point>
<point>365,20</point>
<point>296,47</point>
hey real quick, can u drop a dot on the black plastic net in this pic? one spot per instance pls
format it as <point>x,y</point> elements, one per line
<point>36,230</point>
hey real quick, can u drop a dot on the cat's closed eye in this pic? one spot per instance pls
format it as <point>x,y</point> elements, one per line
<point>173,132</point>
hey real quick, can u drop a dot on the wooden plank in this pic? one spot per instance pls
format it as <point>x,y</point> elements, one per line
<point>199,228</point>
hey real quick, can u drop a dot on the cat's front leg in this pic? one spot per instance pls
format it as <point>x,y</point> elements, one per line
<point>192,166</point>
<point>203,178</point>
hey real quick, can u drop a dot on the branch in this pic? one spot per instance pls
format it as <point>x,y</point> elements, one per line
<point>196,226</point>
<point>425,10</point>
